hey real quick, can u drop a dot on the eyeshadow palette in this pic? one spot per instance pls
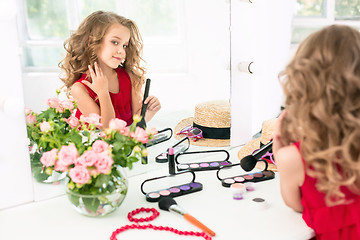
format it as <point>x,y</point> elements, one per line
<point>174,191</point>
<point>250,177</point>
<point>202,166</point>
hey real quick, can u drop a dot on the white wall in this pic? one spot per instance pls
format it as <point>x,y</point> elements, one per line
<point>15,176</point>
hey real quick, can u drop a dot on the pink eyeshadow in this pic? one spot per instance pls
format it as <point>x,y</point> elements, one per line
<point>164,193</point>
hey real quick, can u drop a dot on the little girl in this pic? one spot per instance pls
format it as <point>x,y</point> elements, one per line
<point>317,140</point>
<point>102,68</point>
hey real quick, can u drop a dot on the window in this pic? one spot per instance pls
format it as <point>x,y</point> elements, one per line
<point>45,24</point>
<point>311,15</point>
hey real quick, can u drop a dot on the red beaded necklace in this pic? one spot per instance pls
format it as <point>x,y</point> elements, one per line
<point>148,219</point>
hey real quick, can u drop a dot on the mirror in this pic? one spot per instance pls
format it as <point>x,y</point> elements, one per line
<point>188,60</point>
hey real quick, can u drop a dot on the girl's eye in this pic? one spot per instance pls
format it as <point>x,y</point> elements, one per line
<point>115,42</point>
<point>125,46</point>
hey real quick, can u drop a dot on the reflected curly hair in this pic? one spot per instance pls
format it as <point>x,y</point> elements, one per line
<point>322,90</point>
<point>83,44</point>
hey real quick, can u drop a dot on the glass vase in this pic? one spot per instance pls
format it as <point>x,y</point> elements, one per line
<point>40,173</point>
<point>97,205</point>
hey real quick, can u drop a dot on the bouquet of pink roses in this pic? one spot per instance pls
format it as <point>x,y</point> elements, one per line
<point>52,128</point>
<point>94,166</point>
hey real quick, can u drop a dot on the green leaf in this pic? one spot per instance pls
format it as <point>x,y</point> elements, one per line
<point>38,175</point>
<point>101,180</point>
<point>76,138</point>
<point>92,203</point>
<point>133,159</point>
<point>74,200</point>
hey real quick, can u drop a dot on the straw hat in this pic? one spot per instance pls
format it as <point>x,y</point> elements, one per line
<point>267,131</point>
<point>214,119</point>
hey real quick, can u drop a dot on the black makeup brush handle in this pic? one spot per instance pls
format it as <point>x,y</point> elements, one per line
<point>142,122</point>
<point>264,149</point>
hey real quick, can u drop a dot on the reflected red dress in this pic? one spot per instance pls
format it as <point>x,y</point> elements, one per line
<point>121,101</point>
<point>330,223</point>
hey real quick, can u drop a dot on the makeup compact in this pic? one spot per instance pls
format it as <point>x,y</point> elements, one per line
<point>181,146</point>
<point>170,190</point>
<point>245,178</point>
<point>213,164</point>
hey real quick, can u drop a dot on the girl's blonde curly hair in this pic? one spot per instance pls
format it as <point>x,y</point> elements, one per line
<point>82,46</point>
<point>322,90</point>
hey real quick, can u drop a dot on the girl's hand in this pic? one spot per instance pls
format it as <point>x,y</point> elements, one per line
<point>99,82</point>
<point>277,143</point>
<point>153,104</point>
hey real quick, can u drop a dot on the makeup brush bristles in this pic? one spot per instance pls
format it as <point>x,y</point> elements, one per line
<point>248,163</point>
<point>166,202</point>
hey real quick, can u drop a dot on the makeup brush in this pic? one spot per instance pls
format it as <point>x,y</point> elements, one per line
<point>169,204</point>
<point>142,123</point>
<point>248,163</point>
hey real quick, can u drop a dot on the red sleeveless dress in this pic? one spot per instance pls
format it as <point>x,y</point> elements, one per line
<point>330,223</point>
<point>121,101</point>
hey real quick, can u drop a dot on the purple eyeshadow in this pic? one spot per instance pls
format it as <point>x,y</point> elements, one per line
<point>174,190</point>
<point>224,163</point>
<point>195,185</point>
<point>185,187</point>
<point>204,164</point>
<point>214,164</point>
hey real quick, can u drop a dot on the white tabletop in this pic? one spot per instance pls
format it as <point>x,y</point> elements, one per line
<point>214,206</point>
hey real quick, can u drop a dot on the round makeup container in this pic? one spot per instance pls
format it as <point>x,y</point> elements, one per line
<point>250,186</point>
<point>259,203</point>
<point>237,190</point>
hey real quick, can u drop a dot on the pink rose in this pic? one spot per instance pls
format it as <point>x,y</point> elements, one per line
<point>125,131</point>
<point>104,163</point>
<point>53,102</point>
<point>117,124</point>
<point>30,119</point>
<point>100,146</point>
<point>67,156</point>
<point>67,104</point>
<point>79,174</point>
<point>87,159</point>
<point>45,126</point>
<point>28,111</point>
<point>94,118</point>
<point>72,121</point>
<point>140,135</point>
<point>152,130</point>
<point>48,158</point>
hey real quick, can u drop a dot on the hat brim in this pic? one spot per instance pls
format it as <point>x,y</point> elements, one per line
<point>206,142</point>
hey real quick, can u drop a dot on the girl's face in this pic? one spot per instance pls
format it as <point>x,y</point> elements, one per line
<point>112,49</point>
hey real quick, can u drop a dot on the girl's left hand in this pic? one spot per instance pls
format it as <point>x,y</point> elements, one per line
<point>153,104</point>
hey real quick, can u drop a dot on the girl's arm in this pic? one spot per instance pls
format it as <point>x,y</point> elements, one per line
<point>152,108</point>
<point>291,172</point>
<point>86,104</point>
<point>290,168</point>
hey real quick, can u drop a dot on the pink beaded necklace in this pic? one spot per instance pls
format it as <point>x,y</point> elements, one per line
<point>148,219</point>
